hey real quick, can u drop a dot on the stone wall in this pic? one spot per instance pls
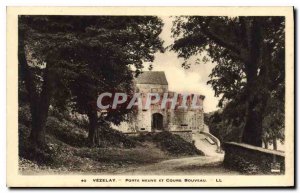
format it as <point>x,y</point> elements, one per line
<point>250,159</point>
<point>190,119</point>
<point>186,135</point>
<point>143,120</point>
<point>148,88</point>
<point>173,120</point>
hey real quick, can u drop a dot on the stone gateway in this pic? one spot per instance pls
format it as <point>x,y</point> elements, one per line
<point>155,119</point>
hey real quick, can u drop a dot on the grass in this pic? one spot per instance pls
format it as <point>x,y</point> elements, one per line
<point>70,154</point>
<point>171,143</point>
<point>70,159</point>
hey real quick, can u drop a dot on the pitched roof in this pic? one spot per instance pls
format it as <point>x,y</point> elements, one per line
<point>152,77</point>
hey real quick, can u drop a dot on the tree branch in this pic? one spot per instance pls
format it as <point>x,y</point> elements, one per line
<point>235,49</point>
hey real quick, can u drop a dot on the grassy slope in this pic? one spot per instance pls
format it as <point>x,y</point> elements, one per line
<point>69,153</point>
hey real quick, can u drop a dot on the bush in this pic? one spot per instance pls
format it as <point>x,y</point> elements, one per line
<point>110,137</point>
<point>143,137</point>
<point>175,145</point>
<point>171,143</point>
<point>66,132</point>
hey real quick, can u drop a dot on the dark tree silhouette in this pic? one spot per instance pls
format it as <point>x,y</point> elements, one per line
<point>59,54</point>
<point>249,52</point>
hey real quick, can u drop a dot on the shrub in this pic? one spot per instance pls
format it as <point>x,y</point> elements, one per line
<point>110,137</point>
<point>175,145</point>
<point>66,132</point>
<point>169,142</point>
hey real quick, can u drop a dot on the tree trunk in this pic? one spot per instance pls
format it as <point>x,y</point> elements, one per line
<point>253,128</point>
<point>39,104</point>
<point>37,135</point>
<point>274,143</point>
<point>93,136</point>
<point>266,144</point>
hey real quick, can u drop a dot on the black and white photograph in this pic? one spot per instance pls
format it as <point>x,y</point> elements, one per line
<point>205,98</point>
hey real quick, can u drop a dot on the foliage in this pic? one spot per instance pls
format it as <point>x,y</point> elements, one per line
<point>249,52</point>
<point>171,143</point>
<point>67,61</point>
<point>62,130</point>
<point>90,49</point>
<point>113,138</point>
<point>273,122</point>
<point>223,129</point>
<point>68,153</point>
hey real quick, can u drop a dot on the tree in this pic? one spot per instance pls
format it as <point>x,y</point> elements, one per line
<point>87,53</point>
<point>39,94</point>
<point>273,122</point>
<point>112,46</point>
<point>249,52</point>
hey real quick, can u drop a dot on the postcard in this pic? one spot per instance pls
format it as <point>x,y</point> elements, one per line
<point>150,97</point>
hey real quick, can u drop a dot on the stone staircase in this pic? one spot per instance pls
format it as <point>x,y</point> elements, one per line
<point>208,144</point>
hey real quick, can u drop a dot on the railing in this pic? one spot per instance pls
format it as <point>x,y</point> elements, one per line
<point>214,139</point>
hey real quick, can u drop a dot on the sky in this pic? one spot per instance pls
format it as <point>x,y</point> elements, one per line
<point>180,80</point>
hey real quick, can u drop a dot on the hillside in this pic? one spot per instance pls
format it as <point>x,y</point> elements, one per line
<point>69,151</point>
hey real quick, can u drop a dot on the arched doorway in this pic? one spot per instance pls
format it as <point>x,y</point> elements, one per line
<point>157,121</point>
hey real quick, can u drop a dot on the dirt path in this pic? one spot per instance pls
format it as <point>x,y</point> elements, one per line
<point>209,164</point>
<point>182,166</point>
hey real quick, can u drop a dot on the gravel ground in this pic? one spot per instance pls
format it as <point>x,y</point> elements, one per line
<point>207,165</point>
